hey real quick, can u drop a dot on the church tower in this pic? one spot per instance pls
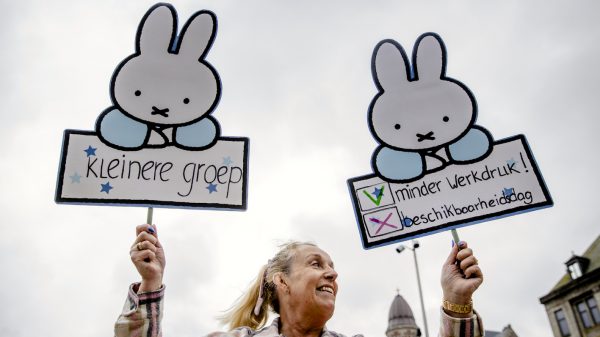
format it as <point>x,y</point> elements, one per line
<point>401,322</point>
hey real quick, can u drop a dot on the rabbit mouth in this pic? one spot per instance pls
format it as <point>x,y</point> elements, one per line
<point>427,136</point>
<point>162,112</point>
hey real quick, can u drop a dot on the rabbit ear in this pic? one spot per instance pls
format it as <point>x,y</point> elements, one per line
<point>157,30</point>
<point>429,57</point>
<point>389,65</point>
<point>197,35</point>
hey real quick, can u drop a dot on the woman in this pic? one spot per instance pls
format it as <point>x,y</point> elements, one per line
<point>299,284</point>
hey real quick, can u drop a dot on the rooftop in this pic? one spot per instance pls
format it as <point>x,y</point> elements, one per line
<point>593,254</point>
<point>591,257</point>
<point>400,315</point>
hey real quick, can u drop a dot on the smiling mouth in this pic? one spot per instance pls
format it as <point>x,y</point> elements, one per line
<point>427,136</point>
<point>326,289</point>
<point>162,112</point>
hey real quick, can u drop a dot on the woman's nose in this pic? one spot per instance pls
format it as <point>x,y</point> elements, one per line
<point>331,274</point>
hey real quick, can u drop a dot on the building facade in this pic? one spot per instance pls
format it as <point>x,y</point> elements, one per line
<point>506,332</point>
<point>401,322</point>
<point>572,304</point>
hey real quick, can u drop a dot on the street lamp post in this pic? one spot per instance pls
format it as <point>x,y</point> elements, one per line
<point>399,250</point>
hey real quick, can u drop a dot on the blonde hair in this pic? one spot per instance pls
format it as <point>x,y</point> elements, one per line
<point>242,312</point>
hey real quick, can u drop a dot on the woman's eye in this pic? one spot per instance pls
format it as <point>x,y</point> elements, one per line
<point>315,264</point>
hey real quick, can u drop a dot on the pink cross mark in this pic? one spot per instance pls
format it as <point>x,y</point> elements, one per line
<point>382,223</point>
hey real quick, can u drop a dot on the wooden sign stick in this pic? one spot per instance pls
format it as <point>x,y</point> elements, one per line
<point>149,216</point>
<point>455,236</point>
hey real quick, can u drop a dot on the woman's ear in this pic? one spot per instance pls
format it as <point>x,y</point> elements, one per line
<point>280,282</point>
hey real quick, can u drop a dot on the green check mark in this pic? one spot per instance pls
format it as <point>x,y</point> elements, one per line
<point>378,201</point>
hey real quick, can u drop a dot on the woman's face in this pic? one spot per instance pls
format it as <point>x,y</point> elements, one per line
<point>312,282</point>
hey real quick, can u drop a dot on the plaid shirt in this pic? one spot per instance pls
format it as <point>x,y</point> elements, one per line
<point>142,314</point>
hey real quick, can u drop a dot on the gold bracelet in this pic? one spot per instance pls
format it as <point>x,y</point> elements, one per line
<point>458,308</point>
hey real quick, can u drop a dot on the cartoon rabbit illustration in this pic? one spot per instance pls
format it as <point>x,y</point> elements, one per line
<point>422,119</point>
<point>164,92</point>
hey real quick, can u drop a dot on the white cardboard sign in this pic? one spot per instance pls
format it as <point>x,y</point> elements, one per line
<point>506,182</point>
<point>435,169</point>
<point>170,177</point>
<point>158,144</point>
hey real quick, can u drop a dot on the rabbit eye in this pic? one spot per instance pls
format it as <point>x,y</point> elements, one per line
<point>445,119</point>
<point>397,126</point>
<point>137,92</point>
<point>186,100</point>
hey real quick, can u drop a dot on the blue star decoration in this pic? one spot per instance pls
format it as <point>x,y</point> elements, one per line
<point>507,192</point>
<point>227,161</point>
<point>377,192</point>
<point>106,187</point>
<point>90,151</point>
<point>211,188</point>
<point>75,178</point>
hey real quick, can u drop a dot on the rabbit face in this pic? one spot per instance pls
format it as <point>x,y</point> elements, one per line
<point>422,116</point>
<point>167,82</point>
<point>160,92</point>
<point>420,113</point>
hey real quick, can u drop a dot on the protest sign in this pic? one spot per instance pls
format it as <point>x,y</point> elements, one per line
<point>158,144</point>
<point>506,182</point>
<point>96,173</point>
<point>435,169</point>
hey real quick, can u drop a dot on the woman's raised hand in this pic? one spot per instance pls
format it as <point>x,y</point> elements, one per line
<point>148,257</point>
<point>461,275</point>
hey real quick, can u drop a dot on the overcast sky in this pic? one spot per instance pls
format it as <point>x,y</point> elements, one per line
<point>297,81</point>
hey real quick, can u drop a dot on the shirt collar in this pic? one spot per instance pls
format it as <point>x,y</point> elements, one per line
<point>273,330</point>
